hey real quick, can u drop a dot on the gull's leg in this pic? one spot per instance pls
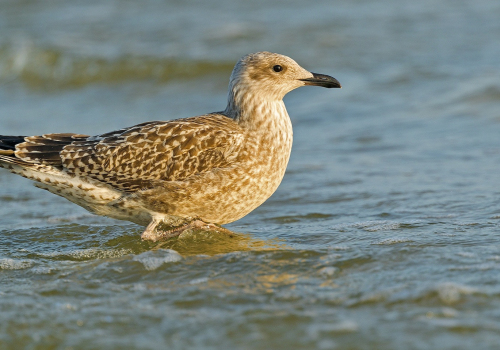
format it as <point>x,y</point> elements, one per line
<point>151,234</point>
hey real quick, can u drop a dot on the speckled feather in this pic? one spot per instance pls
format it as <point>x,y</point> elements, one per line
<point>216,167</point>
<point>137,158</point>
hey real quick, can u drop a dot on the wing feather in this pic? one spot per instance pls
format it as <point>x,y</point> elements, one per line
<point>43,149</point>
<point>138,157</point>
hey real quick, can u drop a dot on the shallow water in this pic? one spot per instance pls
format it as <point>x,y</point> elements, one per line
<point>383,235</point>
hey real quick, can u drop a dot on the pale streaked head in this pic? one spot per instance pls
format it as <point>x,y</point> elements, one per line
<point>274,75</point>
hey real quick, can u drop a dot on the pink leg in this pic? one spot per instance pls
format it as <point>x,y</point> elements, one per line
<point>151,234</point>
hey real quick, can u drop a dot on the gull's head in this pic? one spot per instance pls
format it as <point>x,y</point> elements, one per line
<point>272,76</point>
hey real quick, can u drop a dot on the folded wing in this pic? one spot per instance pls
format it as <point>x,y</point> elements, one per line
<point>138,157</point>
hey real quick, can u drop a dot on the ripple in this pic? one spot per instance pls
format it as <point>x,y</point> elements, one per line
<point>42,67</point>
<point>86,254</point>
<point>395,240</point>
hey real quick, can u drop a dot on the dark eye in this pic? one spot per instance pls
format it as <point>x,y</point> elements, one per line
<point>277,68</point>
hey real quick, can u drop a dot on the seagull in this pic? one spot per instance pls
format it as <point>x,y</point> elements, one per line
<point>171,176</point>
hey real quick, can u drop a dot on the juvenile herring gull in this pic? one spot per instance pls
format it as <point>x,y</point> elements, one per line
<point>198,172</point>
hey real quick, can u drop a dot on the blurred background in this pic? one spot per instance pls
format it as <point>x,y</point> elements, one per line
<point>383,235</point>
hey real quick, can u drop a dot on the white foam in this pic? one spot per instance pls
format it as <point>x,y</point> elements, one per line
<point>451,293</point>
<point>14,264</point>
<point>154,259</point>
<point>328,271</point>
<point>199,280</point>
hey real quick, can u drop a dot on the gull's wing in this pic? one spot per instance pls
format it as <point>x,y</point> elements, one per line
<point>138,157</point>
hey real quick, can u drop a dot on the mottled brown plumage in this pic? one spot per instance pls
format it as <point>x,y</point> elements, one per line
<point>210,169</point>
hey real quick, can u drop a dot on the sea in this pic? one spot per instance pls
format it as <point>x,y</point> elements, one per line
<point>384,234</point>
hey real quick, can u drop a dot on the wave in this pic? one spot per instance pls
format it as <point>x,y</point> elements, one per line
<point>52,68</point>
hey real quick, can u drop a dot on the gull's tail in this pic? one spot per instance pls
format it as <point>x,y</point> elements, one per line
<point>32,156</point>
<point>38,158</point>
<point>30,151</point>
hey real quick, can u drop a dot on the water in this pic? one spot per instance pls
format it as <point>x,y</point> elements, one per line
<point>383,235</point>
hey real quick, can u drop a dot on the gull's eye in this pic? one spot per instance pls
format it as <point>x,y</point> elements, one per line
<point>277,68</point>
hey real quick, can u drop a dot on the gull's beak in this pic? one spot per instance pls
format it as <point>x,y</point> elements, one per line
<point>322,80</point>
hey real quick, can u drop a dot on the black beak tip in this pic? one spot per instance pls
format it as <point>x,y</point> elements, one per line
<point>322,80</point>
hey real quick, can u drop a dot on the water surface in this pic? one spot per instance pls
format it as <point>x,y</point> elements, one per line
<point>383,235</point>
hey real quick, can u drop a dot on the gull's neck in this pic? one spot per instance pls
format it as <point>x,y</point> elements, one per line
<point>256,110</point>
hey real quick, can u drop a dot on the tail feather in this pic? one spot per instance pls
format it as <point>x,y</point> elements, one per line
<point>45,149</point>
<point>37,158</point>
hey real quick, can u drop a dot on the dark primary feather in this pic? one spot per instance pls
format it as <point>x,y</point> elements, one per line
<point>8,143</point>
